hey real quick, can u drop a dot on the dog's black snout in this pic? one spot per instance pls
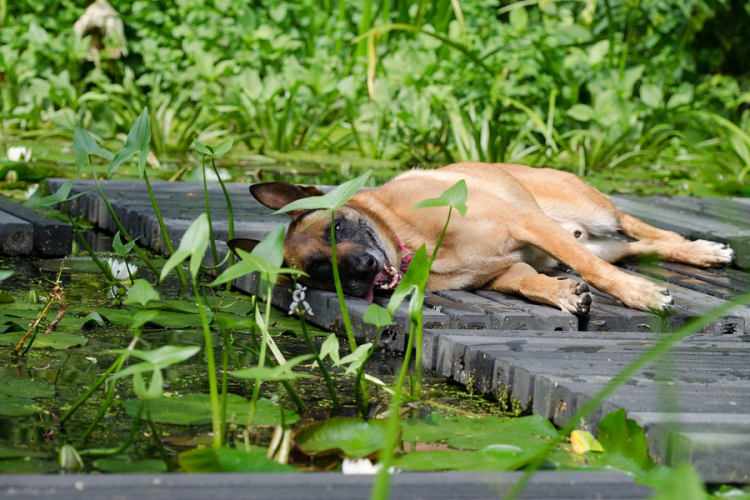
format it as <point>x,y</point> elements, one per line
<point>362,262</point>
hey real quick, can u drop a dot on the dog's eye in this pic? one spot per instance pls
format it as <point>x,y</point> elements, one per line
<point>337,228</point>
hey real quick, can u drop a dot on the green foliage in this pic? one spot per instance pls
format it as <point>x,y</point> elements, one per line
<point>349,437</point>
<point>205,460</point>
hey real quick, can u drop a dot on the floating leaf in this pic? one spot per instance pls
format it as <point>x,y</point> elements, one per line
<point>230,460</point>
<point>621,435</point>
<point>350,437</point>
<point>141,293</point>
<point>28,466</point>
<point>16,406</point>
<point>195,409</point>
<point>55,340</point>
<point>490,459</point>
<point>24,387</point>
<point>126,466</point>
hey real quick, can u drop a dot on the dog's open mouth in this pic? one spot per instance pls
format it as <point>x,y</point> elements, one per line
<point>387,280</point>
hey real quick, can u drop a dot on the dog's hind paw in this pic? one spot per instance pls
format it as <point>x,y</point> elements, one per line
<point>577,300</point>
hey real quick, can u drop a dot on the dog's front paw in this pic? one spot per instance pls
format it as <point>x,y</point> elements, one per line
<point>640,293</point>
<point>576,298</point>
<point>710,253</point>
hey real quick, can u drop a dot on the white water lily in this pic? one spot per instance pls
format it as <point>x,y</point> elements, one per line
<point>299,304</point>
<point>362,466</point>
<point>121,270</point>
<point>19,153</point>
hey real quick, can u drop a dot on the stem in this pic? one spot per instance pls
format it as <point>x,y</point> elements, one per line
<point>323,369</point>
<point>230,214</point>
<point>128,440</point>
<point>141,254</point>
<point>442,235</point>
<point>163,229</point>
<point>214,254</point>
<point>361,394</point>
<point>383,481</point>
<point>212,382</point>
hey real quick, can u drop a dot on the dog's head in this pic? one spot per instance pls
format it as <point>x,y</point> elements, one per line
<point>367,253</point>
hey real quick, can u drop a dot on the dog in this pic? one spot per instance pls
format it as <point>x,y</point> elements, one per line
<point>520,222</point>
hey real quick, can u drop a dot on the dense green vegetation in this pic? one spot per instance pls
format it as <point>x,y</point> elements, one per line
<point>654,90</point>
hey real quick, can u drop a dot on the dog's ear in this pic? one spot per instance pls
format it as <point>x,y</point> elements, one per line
<point>276,195</point>
<point>243,244</point>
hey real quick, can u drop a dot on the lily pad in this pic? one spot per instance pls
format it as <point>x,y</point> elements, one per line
<point>350,437</point>
<point>490,459</point>
<point>478,433</point>
<point>123,465</point>
<point>26,388</point>
<point>27,466</point>
<point>93,318</point>
<point>14,406</point>
<point>230,460</point>
<point>195,409</point>
<point>55,340</point>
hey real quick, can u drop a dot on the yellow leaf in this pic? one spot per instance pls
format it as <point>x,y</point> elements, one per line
<point>584,441</point>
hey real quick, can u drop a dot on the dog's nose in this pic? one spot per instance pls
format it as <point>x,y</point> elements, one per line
<point>363,262</point>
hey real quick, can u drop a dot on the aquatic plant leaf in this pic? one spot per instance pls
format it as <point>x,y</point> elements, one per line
<point>455,196</point>
<point>141,293</point>
<point>376,315</point>
<point>414,281</point>
<point>330,347</point>
<point>583,441</point>
<point>211,152</point>
<point>28,466</point>
<point>348,437</point>
<point>6,298</point>
<point>164,319</point>
<point>477,433</point>
<point>121,248</point>
<point>195,409</point>
<point>126,466</point>
<point>5,274</point>
<point>491,459</point>
<point>355,359</point>
<point>14,406</point>
<point>60,196</point>
<point>136,143</point>
<point>81,322</point>
<point>230,460</point>
<point>277,373</point>
<point>621,435</point>
<point>85,145</point>
<point>11,386</point>
<point>55,340</point>
<point>331,201</point>
<point>193,245</point>
<point>164,356</point>
<point>681,482</point>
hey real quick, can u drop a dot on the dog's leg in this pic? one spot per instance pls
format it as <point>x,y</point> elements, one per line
<point>522,279</point>
<point>668,245</point>
<point>542,232</point>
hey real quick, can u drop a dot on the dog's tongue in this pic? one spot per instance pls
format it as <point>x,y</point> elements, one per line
<point>379,278</point>
<point>370,294</point>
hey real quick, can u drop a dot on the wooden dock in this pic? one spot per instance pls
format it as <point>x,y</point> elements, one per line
<point>695,405</point>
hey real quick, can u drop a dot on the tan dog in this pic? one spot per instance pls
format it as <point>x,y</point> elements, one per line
<point>520,220</point>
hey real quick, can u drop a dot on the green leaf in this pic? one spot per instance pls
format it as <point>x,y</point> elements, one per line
<point>164,356</point>
<point>136,143</point>
<point>583,441</point>
<point>621,435</point>
<point>81,322</point>
<point>5,274</point>
<point>195,409</point>
<point>349,437</point>
<point>478,433</point>
<point>28,466</point>
<point>60,196</point>
<point>680,482</point>
<point>85,145</point>
<point>494,458</point>
<point>230,460</point>
<point>6,298</point>
<point>682,96</point>
<point>224,148</point>
<point>331,201</point>
<point>141,293</point>
<point>355,359</point>
<point>330,347</point>
<point>193,245</point>
<point>376,315</point>
<point>201,148</point>
<point>277,373</point>
<point>126,466</point>
<point>581,112</point>
<point>17,407</point>
<point>519,18</point>
<point>652,96</point>
<point>455,196</point>
<point>122,249</point>
<point>24,387</point>
<point>414,280</point>
<point>55,340</point>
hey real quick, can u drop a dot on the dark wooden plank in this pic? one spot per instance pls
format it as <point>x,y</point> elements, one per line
<point>547,318</point>
<point>16,235</point>
<point>51,237</point>
<point>543,485</point>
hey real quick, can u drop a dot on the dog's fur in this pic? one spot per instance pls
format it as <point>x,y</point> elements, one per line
<point>520,220</point>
